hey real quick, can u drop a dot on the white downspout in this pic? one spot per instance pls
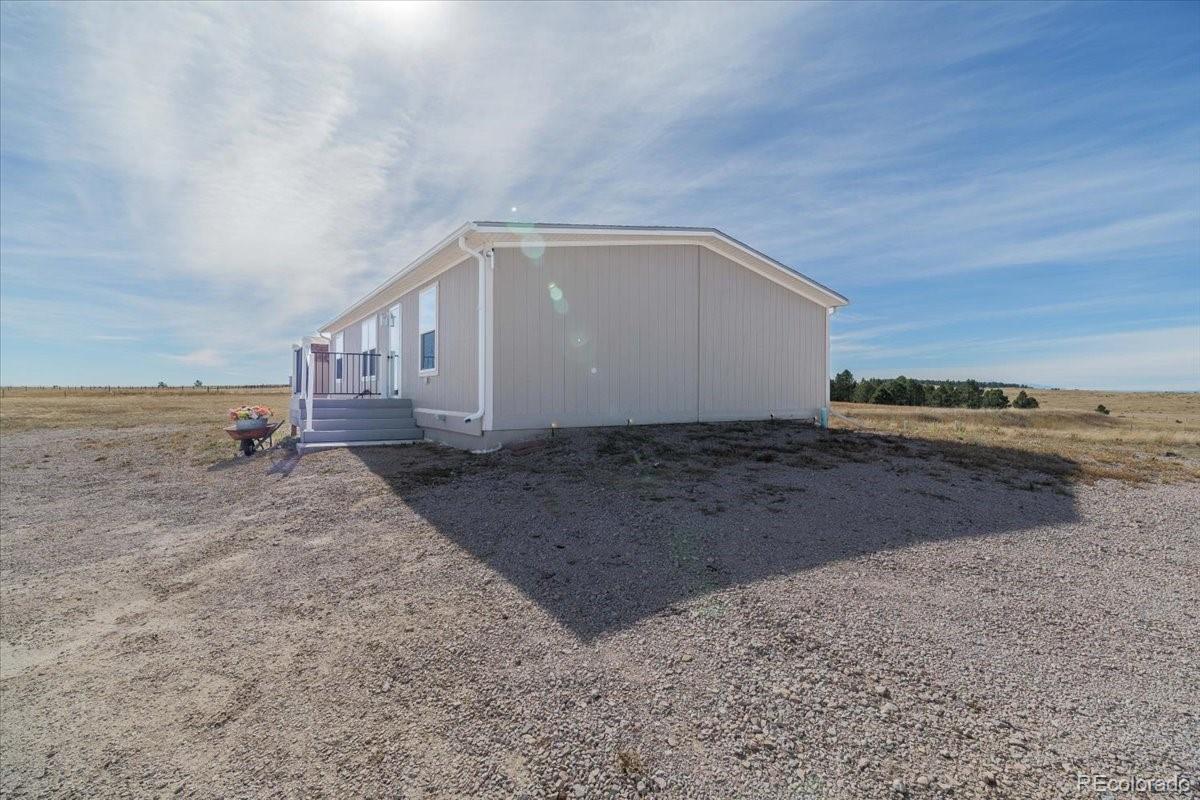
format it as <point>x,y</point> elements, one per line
<point>828,319</point>
<point>481,260</point>
<point>825,412</point>
<point>308,387</point>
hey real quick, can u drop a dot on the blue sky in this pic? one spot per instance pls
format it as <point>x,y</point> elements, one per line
<point>1008,192</point>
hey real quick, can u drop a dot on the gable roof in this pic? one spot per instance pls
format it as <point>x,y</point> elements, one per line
<point>665,229</point>
<point>482,234</point>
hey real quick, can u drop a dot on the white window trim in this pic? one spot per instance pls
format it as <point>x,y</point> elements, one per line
<point>297,378</point>
<point>339,347</point>
<point>396,368</point>
<point>437,334</point>
<point>369,325</point>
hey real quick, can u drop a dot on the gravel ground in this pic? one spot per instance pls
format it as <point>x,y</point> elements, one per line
<point>690,611</point>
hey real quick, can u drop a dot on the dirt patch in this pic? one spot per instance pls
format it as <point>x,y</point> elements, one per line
<point>743,610</point>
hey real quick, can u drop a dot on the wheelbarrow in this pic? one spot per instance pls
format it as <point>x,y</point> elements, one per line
<point>253,439</point>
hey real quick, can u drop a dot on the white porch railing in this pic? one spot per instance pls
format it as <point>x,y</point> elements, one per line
<point>308,386</point>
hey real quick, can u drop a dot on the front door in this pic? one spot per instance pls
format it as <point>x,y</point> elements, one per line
<point>394,349</point>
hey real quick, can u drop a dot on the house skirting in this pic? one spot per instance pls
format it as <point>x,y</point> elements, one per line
<point>490,440</point>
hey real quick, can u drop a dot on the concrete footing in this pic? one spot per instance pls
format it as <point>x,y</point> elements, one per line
<point>490,440</point>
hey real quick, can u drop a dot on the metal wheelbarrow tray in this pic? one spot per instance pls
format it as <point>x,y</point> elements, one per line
<point>252,439</point>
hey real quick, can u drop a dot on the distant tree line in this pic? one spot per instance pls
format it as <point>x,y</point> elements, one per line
<point>981,384</point>
<point>902,391</point>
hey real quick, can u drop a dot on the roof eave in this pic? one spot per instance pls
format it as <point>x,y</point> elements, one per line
<point>830,298</point>
<point>461,230</point>
<point>833,299</point>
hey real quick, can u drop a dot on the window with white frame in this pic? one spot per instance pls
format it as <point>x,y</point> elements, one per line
<point>370,347</point>
<point>427,313</point>
<point>339,347</point>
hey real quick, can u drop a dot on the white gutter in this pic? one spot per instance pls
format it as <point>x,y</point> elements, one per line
<point>481,309</point>
<point>829,312</point>
<point>829,296</point>
<point>351,312</point>
<point>827,409</point>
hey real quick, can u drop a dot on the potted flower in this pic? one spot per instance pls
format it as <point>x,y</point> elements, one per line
<point>249,417</point>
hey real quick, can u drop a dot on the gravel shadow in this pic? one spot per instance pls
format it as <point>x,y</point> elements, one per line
<point>603,528</point>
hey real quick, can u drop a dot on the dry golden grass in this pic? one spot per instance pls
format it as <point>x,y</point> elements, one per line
<point>201,410</point>
<point>1147,436</point>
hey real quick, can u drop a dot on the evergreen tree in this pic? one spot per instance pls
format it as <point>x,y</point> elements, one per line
<point>970,395</point>
<point>916,393</point>
<point>943,396</point>
<point>865,389</point>
<point>842,387</point>
<point>995,398</point>
<point>883,396</point>
<point>898,389</point>
<point>1025,401</point>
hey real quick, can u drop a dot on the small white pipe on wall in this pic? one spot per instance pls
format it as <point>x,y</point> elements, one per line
<point>481,308</point>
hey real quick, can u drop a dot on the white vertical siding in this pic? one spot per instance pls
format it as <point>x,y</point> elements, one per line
<point>653,333</point>
<point>762,346</point>
<point>620,343</point>
<point>351,338</point>
<point>455,386</point>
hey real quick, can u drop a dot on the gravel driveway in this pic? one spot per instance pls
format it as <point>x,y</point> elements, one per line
<point>690,611</point>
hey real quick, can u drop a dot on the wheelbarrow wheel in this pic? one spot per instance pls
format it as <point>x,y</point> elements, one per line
<point>247,447</point>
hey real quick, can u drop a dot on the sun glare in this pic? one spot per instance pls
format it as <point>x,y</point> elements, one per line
<point>402,19</point>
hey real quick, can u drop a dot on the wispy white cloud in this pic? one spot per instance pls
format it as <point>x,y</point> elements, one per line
<point>229,175</point>
<point>1157,359</point>
<point>73,255</point>
<point>856,338</point>
<point>112,337</point>
<point>205,357</point>
<point>312,175</point>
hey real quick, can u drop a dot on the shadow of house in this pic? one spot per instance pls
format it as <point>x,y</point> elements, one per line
<point>605,527</point>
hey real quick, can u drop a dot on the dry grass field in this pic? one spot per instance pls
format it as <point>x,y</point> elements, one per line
<point>1146,436</point>
<point>162,411</point>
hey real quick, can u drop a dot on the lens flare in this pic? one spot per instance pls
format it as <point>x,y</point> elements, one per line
<point>410,22</point>
<point>557,300</point>
<point>581,351</point>
<point>533,246</point>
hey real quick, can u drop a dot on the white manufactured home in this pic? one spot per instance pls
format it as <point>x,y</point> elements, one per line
<point>505,330</point>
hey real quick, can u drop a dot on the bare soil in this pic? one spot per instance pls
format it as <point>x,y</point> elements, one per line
<point>715,611</point>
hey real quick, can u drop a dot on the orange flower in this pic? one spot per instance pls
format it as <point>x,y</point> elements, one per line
<point>249,412</point>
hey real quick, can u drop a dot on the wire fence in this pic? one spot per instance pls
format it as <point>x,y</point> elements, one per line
<point>66,391</point>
